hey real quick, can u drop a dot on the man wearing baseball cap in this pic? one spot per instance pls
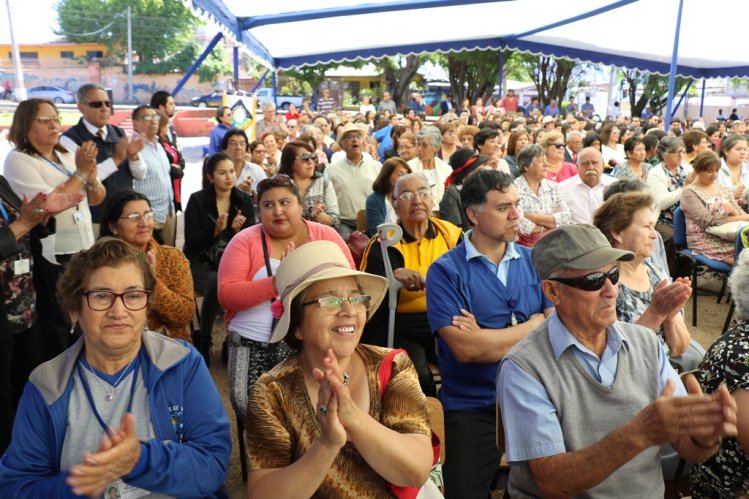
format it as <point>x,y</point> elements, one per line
<point>587,401</point>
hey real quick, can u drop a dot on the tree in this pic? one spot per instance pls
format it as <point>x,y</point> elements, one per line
<point>398,72</point>
<point>160,29</point>
<point>552,77</point>
<point>649,89</point>
<point>473,74</point>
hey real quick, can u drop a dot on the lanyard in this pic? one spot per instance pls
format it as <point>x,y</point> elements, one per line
<point>90,397</point>
<point>58,167</point>
<point>3,211</point>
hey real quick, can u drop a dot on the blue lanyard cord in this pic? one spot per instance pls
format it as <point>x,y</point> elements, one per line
<point>3,211</point>
<point>60,168</point>
<point>90,397</point>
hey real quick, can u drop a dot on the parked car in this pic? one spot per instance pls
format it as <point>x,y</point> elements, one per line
<point>214,98</point>
<point>55,94</point>
<point>282,101</point>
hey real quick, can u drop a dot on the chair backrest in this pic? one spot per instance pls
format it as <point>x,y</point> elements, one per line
<point>437,420</point>
<point>680,229</point>
<point>390,234</point>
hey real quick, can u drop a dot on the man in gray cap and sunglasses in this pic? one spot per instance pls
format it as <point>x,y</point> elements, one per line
<point>587,401</point>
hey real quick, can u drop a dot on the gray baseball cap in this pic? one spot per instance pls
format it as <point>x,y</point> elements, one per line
<point>581,247</point>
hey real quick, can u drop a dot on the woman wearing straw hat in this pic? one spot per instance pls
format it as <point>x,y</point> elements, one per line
<point>319,414</point>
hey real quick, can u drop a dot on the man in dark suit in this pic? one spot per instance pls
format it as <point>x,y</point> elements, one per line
<point>117,159</point>
<point>447,105</point>
<point>573,146</point>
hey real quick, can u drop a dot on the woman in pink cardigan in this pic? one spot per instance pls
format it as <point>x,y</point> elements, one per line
<point>247,284</point>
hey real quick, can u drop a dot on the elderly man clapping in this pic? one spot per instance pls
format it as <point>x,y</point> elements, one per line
<point>583,388</point>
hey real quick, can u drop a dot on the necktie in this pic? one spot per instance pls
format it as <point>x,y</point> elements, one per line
<point>100,133</point>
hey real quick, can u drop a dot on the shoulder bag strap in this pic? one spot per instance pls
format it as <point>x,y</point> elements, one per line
<point>386,369</point>
<point>267,257</point>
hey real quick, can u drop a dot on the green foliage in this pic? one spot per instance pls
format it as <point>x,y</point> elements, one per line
<point>650,89</point>
<point>553,77</point>
<point>160,28</point>
<point>398,72</point>
<point>214,66</point>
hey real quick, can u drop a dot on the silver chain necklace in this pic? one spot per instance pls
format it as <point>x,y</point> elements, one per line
<point>109,393</point>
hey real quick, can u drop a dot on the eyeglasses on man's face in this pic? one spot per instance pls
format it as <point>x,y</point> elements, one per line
<point>96,104</point>
<point>101,300</point>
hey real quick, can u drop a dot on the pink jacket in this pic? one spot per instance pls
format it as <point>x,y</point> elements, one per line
<point>242,259</point>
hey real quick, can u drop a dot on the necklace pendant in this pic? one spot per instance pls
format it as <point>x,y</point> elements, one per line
<point>108,397</point>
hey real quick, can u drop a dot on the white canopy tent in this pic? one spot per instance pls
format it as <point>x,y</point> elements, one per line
<point>635,34</point>
<point>626,33</point>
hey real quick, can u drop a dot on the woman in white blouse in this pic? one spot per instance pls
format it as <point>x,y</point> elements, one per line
<point>40,164</point>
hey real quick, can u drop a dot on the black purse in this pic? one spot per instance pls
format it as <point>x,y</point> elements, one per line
<point>216,251</point>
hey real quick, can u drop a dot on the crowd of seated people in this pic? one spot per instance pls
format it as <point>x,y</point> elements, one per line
<point>508,236</point>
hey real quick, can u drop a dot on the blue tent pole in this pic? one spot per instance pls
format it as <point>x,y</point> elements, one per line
<point>275,89</point>
<point>236,66</point>
<point>501,72</point>
<point>702,98</point>
<point>197,63</point>
<point>672,70</point>
<point>676,108</point>
<point>259,81</point>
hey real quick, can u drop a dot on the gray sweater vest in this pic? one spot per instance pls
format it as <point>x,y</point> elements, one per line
<point>588,410</point>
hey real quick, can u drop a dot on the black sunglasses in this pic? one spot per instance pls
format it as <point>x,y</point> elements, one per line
<point>590,282</point>
<point>96,104</point>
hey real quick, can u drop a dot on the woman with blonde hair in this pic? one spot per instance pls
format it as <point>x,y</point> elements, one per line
<point>557,168</point>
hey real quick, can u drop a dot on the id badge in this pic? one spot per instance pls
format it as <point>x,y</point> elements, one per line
<point>78,217</point>
<point>121,490</point>
<point>22,266</point>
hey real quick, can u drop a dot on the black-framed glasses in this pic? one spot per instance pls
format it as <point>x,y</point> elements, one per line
<point>101,300</point>
<point>96,104</point>
<point>590,282</point>
<point>333,304</point>
<point>409,196</point>
<point>136,217</point>
<point>306,156</point>
<point>558,146</point>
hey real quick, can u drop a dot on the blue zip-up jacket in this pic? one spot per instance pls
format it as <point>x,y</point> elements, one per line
<point>177,381</point>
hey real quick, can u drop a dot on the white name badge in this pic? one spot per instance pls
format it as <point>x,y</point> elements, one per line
<point>121,490</point>
<point>22,266</point>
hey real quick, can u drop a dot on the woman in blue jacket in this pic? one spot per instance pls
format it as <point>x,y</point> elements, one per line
<point>124,407</point>
<point>379,206</point>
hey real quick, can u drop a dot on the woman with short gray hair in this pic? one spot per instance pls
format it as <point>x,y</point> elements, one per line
<point>426,162</point>
<point>542,205</point>
<point>727,361</point>
<point>666,182</point>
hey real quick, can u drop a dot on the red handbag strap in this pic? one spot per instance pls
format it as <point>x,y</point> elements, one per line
<point>386,369</point>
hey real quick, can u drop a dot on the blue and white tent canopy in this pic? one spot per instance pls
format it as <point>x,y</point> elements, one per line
<point>625,33</point>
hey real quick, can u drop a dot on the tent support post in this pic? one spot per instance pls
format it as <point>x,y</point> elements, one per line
<point>196,64</point>
<point>275,90</point>
<point>501,73</point>
<point>674,61</point>
<point>702,97</point>
<point>676,107</point>
<point>259,81</point>
<point>236,67</point>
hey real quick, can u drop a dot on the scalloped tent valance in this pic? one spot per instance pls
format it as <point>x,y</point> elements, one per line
<point>625,33</point>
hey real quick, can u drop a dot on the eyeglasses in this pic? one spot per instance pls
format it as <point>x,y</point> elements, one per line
<point>558,146</point>
<point>96,104</point>
<point>333,304</point>
<point>307,156</point>
<point>349,138</point>
<point>590,282</point>
<point>136,217</point>
<point>149,117</point>
<point>133,300</point>
<point>409,196</point>
<point>47,120</point>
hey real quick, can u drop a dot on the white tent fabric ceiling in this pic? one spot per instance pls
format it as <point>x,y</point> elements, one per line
<point>625,33</point>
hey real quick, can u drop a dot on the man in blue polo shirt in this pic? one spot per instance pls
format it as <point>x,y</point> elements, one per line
<point>483,296</point>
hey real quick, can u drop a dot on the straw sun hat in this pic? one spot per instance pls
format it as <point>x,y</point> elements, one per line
<point>317,261</point>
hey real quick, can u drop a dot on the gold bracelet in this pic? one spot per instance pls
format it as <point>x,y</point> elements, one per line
<point>81,177</point>
<point>93,187</point>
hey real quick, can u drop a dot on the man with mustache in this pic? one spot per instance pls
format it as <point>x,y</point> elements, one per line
<point>584,192</point>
